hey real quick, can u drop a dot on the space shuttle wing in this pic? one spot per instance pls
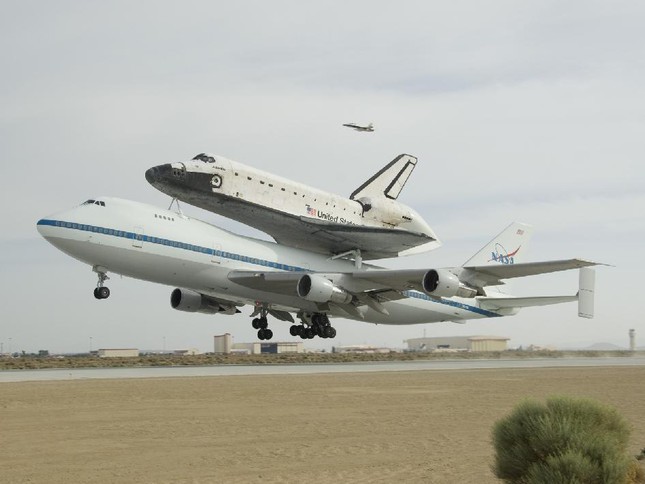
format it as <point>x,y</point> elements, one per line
<point>336,238</point>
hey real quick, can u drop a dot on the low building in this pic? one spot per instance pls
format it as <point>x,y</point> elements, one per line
<point>257,348</point>
<point>118,353</point>
<point>364,349</point>
<point>187,352</point>
<point>459,343</point>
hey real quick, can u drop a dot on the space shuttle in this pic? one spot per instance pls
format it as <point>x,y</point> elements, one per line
<point>370,224</point>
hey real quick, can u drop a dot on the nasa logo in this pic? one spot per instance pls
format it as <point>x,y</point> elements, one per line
<point>502,256</point>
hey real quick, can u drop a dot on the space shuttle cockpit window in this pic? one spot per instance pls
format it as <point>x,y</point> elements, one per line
<point>204,157</point>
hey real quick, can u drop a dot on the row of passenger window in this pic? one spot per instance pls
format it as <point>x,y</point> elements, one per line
<point>180,245</point>
<point>92,228</point>
<point>172,219</point>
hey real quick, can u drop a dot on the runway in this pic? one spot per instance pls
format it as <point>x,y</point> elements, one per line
<point>310,369</point>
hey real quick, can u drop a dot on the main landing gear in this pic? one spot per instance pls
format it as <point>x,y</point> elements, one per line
<point>261,324</point>
<point>101,291</point>
<point>318,325</point>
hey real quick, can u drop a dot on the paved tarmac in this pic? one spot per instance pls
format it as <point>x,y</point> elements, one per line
<point>288,369</point>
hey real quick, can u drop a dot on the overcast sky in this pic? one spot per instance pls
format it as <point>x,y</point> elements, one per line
<point>527,111</point>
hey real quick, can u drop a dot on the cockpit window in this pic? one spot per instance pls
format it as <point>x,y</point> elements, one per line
<point>94,202</point>
<point>204,157</point>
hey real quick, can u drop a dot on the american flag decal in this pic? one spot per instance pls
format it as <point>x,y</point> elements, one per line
<point>311,211</point>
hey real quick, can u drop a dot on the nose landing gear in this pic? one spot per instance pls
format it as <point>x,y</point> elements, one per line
<point>261,323</point>
<point>101,291</point>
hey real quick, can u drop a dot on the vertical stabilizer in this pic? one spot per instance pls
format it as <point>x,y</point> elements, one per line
<point>389,181</point>
<point>509,247</point>
<point>586,292</point>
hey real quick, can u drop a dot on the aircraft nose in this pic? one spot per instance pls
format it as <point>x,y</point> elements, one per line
<point>157,173</point>
<point>164,174</point>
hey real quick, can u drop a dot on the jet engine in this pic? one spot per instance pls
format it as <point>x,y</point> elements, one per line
<point>316,288</point>
<point>194,302</point>
<point>443,283</point>
<point>385,210</point>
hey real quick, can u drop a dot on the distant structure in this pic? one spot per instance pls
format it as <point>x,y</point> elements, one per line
<point>632,340</point>
<point>459,343</point>
<point>118,353</point>
<point>364,349</point>
<point>257,348</point>
<point>187,352</point>
<point>223,344</point>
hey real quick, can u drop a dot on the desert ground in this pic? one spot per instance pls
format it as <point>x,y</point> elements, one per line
<point>422,426</point>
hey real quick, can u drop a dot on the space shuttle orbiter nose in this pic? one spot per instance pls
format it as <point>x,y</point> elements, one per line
<point>157,174</point>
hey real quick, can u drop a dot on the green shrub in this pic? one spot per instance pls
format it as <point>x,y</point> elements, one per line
<point>566,440</point>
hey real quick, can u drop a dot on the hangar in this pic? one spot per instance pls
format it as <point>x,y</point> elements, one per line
<point>118,353</point>
<point>459,343</point>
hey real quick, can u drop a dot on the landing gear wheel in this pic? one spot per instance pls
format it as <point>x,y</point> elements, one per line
<point>332,333</point>
<point>96,293</point>
<point>294,330</point>
<point>265,334</point>
<point>103,292</point>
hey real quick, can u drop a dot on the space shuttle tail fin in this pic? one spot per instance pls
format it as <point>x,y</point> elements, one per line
<point>389,181</point>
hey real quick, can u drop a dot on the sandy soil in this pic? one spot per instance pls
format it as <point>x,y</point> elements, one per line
<point>426,426</point>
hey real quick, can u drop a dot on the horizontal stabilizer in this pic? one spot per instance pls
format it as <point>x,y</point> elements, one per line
<point>494,303</point>
<point>492,275</point>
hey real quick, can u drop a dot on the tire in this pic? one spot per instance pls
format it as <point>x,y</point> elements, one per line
<point>103,292</point>
<point>216,181</point>
<point>261,334</point>
<point>293,330</point>
<point>268,334</point>
<point>263,323</point>
<point>332,333</point>
<point>96,293</point>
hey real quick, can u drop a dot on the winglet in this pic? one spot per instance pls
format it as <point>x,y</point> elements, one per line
<point>587,283</point>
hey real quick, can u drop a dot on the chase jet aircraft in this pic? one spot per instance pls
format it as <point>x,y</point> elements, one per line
<point>370,224</point>
<point>217,272</point>
<point>357,127</point>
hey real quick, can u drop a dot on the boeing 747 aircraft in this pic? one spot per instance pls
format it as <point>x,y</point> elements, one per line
<point>370,224</point>
<point>217,272</point>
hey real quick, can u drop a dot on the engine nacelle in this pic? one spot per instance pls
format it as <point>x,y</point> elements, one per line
<point>385,210</point>
<point>194,302</point>
<point>443,283</point>
<point>319,289</point>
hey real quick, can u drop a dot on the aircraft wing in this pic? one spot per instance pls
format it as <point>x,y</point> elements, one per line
<point>335,238</point>
<point>373,281</point>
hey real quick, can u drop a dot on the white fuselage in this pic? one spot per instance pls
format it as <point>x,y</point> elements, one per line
<point>157,245</point>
